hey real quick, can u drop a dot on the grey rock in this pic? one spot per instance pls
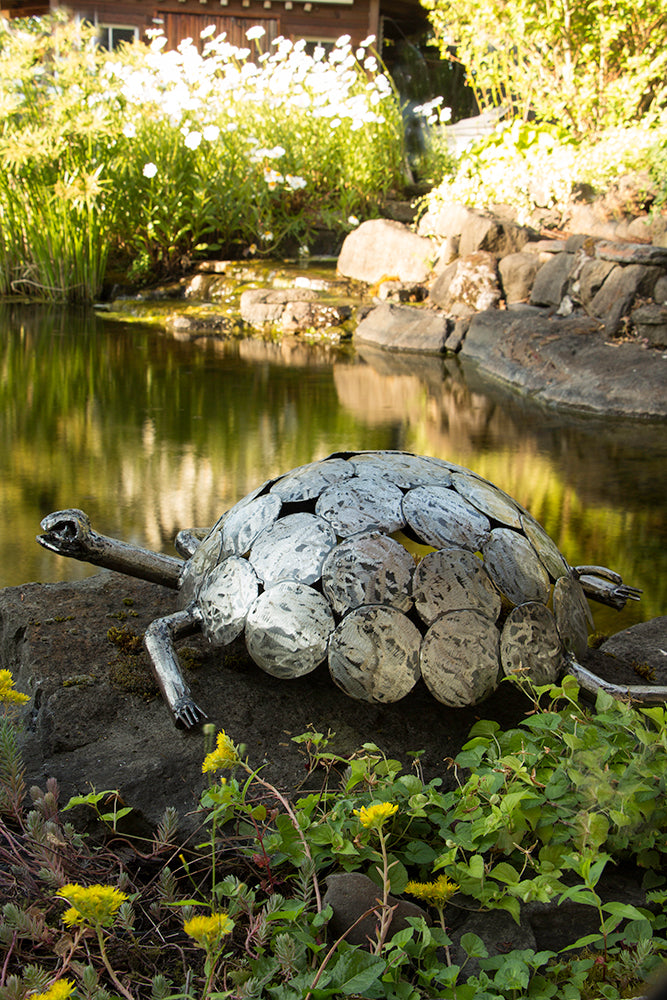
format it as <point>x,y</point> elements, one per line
<point>589,219</point>
<point>651,324</point>
<point>499,932</point>
<point>468,285</point>
<point>551,280</point>
<point>645,643</point>
<point>457,336</point>
<point>640,229</point>
<point>623,283</point>
<point>404,328</point>
<point>545,247</point>
<point>476,230</point>
<point>383,248</point>
<point>660,291</point>
<point>631,253</point>
<point>517,275</point>
<point>579,242</point>
<point>447,222</point>
<point>350,895</point>
<point>567,362</point>
<point>590,279</point>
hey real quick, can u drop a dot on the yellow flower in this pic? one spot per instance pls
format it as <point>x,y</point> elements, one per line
<point>373,817</point>
<point>436,893</point>
<point>92,905</point>
<point>7,692</point>
<point>225,755</point>
<point>60,990</point>
<point>209,931</point>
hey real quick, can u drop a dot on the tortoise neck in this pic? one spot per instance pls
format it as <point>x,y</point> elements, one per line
<point>156,567</point>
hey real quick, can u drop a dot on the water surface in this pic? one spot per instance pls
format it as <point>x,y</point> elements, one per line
<point>150,435</point>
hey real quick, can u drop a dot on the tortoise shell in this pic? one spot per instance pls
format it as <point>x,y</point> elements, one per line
<point>391,566</point>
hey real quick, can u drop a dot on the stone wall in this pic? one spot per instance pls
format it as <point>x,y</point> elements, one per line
<point>461,262</point>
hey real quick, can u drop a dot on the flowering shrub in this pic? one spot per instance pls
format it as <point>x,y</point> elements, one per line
<point>159,154</point>
<point>538,165</point>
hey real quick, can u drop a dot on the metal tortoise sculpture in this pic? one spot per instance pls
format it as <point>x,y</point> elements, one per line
<point>324,563</point>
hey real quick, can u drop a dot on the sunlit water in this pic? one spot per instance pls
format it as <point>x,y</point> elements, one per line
<point>149,435</point>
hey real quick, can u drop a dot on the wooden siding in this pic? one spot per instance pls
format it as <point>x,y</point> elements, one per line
<point>186,18</point>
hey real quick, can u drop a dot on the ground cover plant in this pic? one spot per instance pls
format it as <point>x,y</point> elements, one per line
<point>148,158</point>
<point>539,812</point>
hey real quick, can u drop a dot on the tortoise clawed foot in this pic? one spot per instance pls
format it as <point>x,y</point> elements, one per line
<point>187,714</point>
<point>626,593</point>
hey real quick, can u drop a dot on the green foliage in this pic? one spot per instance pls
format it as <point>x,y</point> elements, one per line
<point>534,166</point>
<point>149,158</point>
<point>539,812</point>
<point>588,64</point>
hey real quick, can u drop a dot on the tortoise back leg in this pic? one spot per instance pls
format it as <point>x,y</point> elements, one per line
<point>605,586</point>
<point>159,641</point>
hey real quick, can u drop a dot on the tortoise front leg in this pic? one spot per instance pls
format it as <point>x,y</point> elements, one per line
<point>159,641</point>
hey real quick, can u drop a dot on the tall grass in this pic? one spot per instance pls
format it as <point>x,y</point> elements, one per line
<point>147,157</point>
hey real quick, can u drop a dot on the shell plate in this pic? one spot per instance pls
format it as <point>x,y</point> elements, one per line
<point>335,572</point>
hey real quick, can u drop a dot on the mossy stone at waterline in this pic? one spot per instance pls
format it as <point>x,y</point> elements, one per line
<point>388,565</point>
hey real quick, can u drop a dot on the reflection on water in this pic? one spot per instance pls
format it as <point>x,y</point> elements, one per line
<point>150,435</point>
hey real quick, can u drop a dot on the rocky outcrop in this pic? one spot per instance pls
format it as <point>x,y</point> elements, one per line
<point>290,310</point>
<point>506,294</point>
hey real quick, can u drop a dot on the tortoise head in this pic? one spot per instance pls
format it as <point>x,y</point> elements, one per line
<point>66,532</point>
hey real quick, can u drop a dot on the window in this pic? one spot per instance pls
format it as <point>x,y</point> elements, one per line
<point>111,35</point>
<point>313,43</point>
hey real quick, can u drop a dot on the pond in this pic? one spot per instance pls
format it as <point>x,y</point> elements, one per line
<point>150,435</point>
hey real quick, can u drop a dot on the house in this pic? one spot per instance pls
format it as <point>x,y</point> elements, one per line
<point>318,21</point>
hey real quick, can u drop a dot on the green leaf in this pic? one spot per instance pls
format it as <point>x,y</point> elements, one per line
<point>476,866</point>
<point>512,975</point>
<point>398,876</point>
<point>583,941</point>
<point>625,911</point>
<point>356,971</point>
<point>91,799</point>
<point>473,946</point>
<point>113,817</point>
<point>504,872</point>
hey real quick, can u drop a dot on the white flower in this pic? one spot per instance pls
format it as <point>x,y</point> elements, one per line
<point>256,32</point>
<point>129,130</point>
<point>149,170</point>
<point>211,133</point>
<point>207,32</point>
<point>360,54</point>
<point>353,220</point>
<point>367,41</point>
<point>370,63</point>
<point>193,139</point>
<point>343,40</point>
<point>294,183</point>
<point>272,178</point>
<point>334,123</point>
